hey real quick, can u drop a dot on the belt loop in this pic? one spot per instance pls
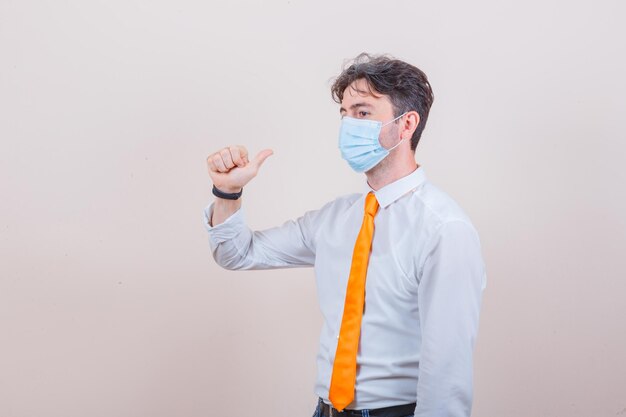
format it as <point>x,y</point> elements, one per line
<point>365,413</point>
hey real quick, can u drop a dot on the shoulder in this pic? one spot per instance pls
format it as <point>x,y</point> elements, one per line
<point>450,238</point>
<point>437,209</point>
<point>442,216</point>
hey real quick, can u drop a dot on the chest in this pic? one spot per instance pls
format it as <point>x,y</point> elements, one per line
<point>391,276</point>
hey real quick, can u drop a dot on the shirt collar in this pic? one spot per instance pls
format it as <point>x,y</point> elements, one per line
<point>391,192</point>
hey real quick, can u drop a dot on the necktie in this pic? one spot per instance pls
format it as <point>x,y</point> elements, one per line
<point>344,368</point>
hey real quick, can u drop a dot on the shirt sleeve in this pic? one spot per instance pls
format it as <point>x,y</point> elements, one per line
<point>235,246</point>
<point>449,297</point>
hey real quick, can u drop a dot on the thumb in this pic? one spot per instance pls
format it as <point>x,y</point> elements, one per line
<point>261,157</point>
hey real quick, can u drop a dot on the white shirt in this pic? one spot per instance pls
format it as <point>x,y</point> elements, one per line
<point>423,290</point>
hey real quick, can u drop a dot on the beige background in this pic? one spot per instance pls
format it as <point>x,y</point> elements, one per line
<point>110,302</point>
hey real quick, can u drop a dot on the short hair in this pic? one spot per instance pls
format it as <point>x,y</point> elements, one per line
<point>406,85</point>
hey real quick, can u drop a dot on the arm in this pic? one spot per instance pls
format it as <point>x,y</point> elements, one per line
<point>235,246</point>
<point>449,297</point>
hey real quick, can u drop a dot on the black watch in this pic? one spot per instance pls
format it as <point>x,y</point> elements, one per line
<point>227,196</point>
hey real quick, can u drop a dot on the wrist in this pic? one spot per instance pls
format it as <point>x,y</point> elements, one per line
<point>228,189</point>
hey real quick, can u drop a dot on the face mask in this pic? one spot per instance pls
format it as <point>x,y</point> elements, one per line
<point>359,144</point>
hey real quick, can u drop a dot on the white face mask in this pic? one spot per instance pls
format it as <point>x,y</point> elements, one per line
<point>359,142</point>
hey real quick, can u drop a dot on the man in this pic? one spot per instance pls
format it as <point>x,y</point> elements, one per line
<point>401,304</point>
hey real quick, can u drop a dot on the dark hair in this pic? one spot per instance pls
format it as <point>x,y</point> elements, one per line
<point>407,86</point>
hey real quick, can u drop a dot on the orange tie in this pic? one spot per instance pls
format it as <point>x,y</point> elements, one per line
<point>344,369</point>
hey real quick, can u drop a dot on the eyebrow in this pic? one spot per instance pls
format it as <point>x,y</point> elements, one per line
<point>355,105</point>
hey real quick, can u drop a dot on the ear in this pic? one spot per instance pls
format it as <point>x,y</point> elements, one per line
<point>411,120</point>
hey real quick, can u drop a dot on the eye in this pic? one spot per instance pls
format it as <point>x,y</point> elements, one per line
<point>363,113</point>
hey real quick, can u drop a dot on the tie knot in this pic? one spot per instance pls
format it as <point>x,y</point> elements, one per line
<point>371,204</point>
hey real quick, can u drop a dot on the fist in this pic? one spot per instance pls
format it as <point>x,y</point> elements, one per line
<point>230,169</point>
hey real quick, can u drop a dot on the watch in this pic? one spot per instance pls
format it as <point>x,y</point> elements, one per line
<point>227,196</point>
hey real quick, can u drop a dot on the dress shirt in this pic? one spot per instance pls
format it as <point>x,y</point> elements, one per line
<point>423,290</point>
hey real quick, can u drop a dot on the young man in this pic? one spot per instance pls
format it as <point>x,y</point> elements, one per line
<point>399,270</point>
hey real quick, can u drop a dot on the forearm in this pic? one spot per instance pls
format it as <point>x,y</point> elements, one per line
<point>223,209</point>
<point>236,246</point>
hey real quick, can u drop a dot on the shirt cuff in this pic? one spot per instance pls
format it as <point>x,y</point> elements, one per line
<point>229,229</point>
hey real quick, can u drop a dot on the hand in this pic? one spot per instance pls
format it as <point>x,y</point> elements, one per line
<point>230,168</point>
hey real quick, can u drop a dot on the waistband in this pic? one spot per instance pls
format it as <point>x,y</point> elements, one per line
<point>393,411</point>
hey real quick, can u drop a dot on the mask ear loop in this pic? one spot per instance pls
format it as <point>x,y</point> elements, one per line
<point>391,121</point>
<point>395,146</point>
<point>401,139</point>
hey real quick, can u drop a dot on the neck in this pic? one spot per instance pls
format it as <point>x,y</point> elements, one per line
<point>390,170</point>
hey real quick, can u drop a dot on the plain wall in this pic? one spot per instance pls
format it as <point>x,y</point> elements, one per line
<point>110,301</point>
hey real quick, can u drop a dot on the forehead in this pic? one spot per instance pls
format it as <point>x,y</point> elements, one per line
<point>360,91</point>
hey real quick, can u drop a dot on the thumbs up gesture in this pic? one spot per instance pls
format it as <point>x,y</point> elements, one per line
<point>230,169</point>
